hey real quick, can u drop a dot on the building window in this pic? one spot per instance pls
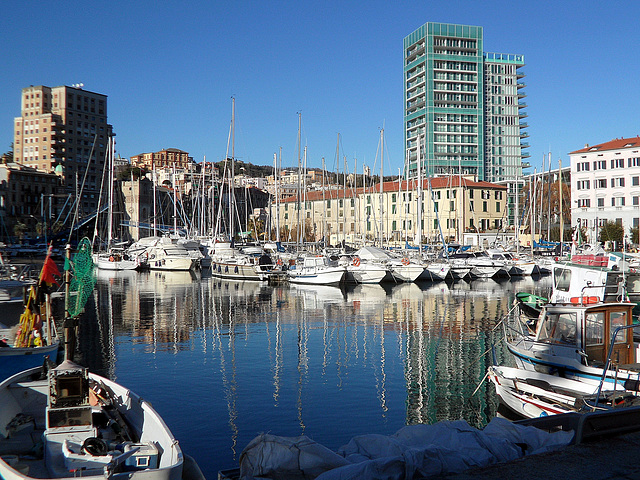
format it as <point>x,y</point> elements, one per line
<point>601,202</point>
<point>584,202</point>
<point>635,181</point>
<point>601,183</point>
<point>617,163</point>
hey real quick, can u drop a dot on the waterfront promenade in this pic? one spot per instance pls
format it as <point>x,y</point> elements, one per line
<point>606,459</point>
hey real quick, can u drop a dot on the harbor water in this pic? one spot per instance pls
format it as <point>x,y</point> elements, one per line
<point>224,361</point>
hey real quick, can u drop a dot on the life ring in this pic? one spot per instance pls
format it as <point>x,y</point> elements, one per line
<point>356,262</point>
<point>279,262</point>
<point>405,261</point>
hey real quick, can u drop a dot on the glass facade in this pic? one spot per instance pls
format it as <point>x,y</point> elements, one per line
<point>465,105</point>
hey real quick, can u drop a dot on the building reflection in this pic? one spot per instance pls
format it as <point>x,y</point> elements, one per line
<point>433,341</point>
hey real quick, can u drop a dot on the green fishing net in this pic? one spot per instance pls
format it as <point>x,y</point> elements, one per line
<point>83,278</point>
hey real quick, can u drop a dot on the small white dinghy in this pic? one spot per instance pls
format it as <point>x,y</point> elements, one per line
<point>72,423</point>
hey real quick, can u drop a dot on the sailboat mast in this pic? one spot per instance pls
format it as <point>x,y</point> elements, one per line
<point>110,214</point>
<point>275,178</point>
<point>299,175</point>
<point>549,198</point>
<point>381,182</point>
<point>175,200</point>
<point>419,219</point>
<point>155,213</point>
<point>232,181</point>
<point>532,197</point>
<point>324,206</point>
<point>304,194</point>
<point>560,203</point>
<point>517,215</point>
<point>337,183</point>
<point>344,200</point>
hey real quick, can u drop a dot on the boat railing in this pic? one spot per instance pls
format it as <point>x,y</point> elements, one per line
<point>607,363</point>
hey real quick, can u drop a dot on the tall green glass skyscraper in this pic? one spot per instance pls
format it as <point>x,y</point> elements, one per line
<point>464,105</point>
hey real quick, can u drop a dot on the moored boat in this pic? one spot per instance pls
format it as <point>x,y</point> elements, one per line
<point>316,270</point>
<point>67,422</point>
<point>532,394</point>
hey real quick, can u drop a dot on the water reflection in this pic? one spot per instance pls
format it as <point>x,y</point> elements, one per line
<point>324,361</point>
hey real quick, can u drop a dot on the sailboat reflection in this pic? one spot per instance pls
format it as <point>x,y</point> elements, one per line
<point>330,362</point>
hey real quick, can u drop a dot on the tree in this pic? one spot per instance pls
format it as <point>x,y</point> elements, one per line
<point>135,172</point>
<point>635,234</point>
<point>611,232</point>
<point>19,229</point>
<point>7,157</point>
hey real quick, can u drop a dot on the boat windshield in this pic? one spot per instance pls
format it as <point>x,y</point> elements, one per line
<point>558,328</point>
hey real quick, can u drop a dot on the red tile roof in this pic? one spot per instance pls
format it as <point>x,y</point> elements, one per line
<point>615,144</point>
<point>436,182</point>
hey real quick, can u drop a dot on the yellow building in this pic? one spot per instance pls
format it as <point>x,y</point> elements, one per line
<point>451,206</point>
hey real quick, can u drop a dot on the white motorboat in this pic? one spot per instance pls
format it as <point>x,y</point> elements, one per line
<point>244,263</point>
<point>532,394</point>
<point>164,253</point>
<point>67,423</point>
<point>316,270</point>
<point>580,340</point>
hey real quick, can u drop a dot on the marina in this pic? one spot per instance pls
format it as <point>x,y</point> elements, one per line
<point>223,361</point>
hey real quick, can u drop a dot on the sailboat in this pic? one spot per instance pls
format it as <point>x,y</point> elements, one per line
<point>65,422</point>
<point>113,258</point>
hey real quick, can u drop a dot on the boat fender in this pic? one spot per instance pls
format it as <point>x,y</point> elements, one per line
<point>94,446</point>
<point>235,270</point>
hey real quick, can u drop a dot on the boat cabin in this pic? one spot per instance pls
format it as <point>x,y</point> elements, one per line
<point>584,330</point>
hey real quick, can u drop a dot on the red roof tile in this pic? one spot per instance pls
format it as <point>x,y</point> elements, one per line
<point>436,182</point>
<point>615,144</point>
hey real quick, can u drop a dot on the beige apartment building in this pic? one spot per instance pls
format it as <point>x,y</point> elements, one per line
<point>167,158</point>
<point>64,130</point>
<point>455,206</point>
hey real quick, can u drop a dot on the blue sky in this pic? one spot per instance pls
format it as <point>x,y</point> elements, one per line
<point>170,69</point>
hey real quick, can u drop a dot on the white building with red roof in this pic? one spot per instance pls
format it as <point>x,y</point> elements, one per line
<point>605,185</point>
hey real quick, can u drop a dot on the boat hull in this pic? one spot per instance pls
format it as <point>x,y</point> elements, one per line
<point>237,271</point>
<point>14,360</point>
<point>332,277</point>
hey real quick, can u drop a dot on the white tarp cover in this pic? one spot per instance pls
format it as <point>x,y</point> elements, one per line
<point>415,451</point>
